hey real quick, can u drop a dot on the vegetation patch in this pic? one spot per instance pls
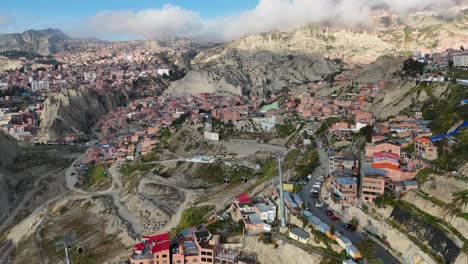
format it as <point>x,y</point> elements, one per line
<point>193,216</point>
<point>96,175</point>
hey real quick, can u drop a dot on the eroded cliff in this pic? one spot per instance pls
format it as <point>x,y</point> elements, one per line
<point>74,111</point>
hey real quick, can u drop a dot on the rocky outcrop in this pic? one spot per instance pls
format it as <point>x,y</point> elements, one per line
<point>444,213</point>
<point>384,68</point>
<point>44,42</point>
<point>353,47</point>
<point>9,151</point>
<point>401,96</point>
<point>237,71</point>
<point>74,111</point>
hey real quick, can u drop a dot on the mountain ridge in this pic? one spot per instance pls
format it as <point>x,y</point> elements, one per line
<point>44,42</point>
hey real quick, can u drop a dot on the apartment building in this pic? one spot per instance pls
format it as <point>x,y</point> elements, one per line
<point>343,162</point>
<point>425,149</point>
<point>196,245</point>
<point>460,60</point>
<point>344,186</point>
<point>373,184</point>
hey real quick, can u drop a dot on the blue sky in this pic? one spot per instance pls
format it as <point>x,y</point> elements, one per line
<point>26,14</point>
<point>214,20</point>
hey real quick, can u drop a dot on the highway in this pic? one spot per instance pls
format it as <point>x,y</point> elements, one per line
<point>356,236</point>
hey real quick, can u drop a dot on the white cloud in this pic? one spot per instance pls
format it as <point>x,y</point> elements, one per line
<point>268,15</point>
<point>4,21</point>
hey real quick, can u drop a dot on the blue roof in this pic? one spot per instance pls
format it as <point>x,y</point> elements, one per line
<point>373,171</point>
<point>347,180</point>
<point>299,232</point>
<point>342,173</point>
<point>410,183</point>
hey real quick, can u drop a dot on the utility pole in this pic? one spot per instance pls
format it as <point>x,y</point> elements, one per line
<point>281,204</point>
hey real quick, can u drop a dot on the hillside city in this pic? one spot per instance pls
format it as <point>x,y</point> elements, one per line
<point>179,150</point>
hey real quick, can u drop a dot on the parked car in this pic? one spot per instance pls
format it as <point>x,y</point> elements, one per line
<point>318,204</point>
<point>329,213</point>
<point>335,219</point>
<point>316,186</point>
<point>314,195</point>
<point>350,227</point>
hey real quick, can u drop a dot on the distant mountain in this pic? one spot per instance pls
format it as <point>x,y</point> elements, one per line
<point>268,62</point>
<point>44,42</point>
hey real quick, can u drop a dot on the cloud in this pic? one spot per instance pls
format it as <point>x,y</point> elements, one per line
<point>4,21</point>
<point>268,15</point>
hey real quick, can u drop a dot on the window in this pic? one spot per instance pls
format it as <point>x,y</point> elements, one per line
<point>195,260</point>
<point>164,261</point>
<point>209,260</point>
<point>209,253</point>
<point>203,259</point>
<point>178,261</point>
<point>164,256</point>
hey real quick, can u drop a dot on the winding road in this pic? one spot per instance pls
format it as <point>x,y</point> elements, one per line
<point>71,176</point>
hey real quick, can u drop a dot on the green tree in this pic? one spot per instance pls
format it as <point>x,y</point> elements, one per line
<point>367,248</point>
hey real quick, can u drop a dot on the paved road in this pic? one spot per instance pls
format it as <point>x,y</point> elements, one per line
<point>355,237</point>
<point>303,246</point>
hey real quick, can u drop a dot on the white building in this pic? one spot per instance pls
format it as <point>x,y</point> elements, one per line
<point>89,76</point>
<point>266,212</point>
<point>40,85</point>
<point>211,136</point>
<point>460,60</point>
<point>163,71</point>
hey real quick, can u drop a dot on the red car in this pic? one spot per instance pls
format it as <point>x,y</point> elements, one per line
<point>335,219</point>
<point>329,213</point>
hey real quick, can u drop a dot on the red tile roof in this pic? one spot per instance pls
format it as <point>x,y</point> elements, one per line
<point>386,154</point>
<point>244,198</point>
<point>424,140</point>
<point>139,246</point>
<point>385,166</point>
<point>160,247</point>
<point>157,238</point>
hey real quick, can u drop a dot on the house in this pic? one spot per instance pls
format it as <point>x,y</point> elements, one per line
<point>253,216</point>
<point>152,249</point>
<point>343,162</point>
<point>266,211</point>
<point>425,149</point>
<point>396,173</point>
<point>299,235</point>
<point>385,145</point>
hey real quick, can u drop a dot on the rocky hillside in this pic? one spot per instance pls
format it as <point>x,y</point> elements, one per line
<point>74,111</point>
<point>44,42</point>
<point>9,152</point>
<point>270,61</point>
<point>425,31</point>
<point>239,71</point>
